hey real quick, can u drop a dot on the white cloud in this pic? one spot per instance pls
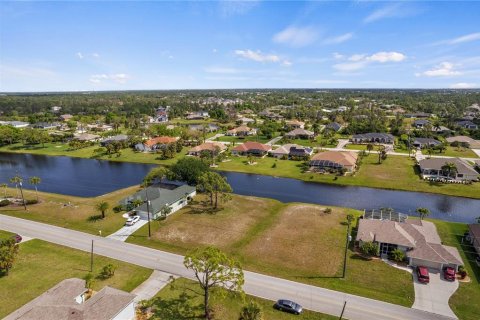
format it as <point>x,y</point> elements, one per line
<point>339,39</point>
<point>444,69</point>
<point>338,56</point>
<point>296,37</point>
<point>261,57</point>
<point>118,78</point>
<point>388,11</point>
<point>95,55</point>
<point>462,39</point>
<point>230,8</point>
<point>80,55</point>
<point>359,61</point>
<point>464,85</point>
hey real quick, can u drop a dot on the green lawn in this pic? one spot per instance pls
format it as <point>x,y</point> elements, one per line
<point>396,172</point>
<point>353,146</point>
<point>459,152</point>
<point>238,140</point>
<point>177,301</point>
<point>465,301</point>
<point>258,233</point>
<point>41,265</point>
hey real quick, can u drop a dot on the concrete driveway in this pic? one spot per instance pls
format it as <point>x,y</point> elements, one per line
<point>433,297</point>
<point>126,231</point>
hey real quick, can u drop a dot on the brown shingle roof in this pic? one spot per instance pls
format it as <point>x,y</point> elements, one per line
<point>208,146</point>
<point>345,158</point>
<point>160,140</point>
<point>251,145</point>
<point>463,167</point>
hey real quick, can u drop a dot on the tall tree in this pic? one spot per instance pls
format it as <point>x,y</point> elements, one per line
<point>4,186</point>
<point>102,207</point>
<point>8,252</point>
<point>158,173</point>
<point>212,268</point>
<point>16,180</point>
<point>189,169</point>
<point>214,184</point>
<point>423,212</point>
<point>35,181</point>
<point>449,169</point>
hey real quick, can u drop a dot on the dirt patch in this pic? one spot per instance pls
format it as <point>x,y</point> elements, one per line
<point>305,239</point>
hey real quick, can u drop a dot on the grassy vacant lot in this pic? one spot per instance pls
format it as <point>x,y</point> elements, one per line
<point>238,140</point>
<point>459,152</point>
<point>71,212</point>
<point>177,302</point>
<point>41,265</point>
<point>396,172</point>
<point>62,149</point>
<point>465,301</point>
<point>294,241</point>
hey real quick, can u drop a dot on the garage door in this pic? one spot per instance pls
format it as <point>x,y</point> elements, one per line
<point>428,264</point>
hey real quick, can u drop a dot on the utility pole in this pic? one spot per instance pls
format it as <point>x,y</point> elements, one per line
<point>346,250</point>
<point>343,310</point>
<point>23,199</point>
<point>91,258</point>
<point>148,213</point>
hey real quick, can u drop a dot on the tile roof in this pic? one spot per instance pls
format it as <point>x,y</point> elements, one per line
<point>252,145</point>
<point>286,149</point>
<point>160,140</point>
<point>240,129</point>
<point>208,146</point>
<point>344,158</point>
<point>300,132</point>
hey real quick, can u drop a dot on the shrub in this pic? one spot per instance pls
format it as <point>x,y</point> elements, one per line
<point>251,311</point>
<point>274,165</point>
<point>370,248</point>
<point>118,208</point>
<point>4,202</point>
<point>31,201</point>
<point>462,272</point>
<point>328,210</point>
<point>108,271</point>
<point>397,255</point>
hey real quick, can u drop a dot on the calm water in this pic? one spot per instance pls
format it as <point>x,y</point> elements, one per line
<point>88,178</point>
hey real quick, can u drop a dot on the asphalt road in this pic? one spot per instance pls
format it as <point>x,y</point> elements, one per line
<point>271,288</point>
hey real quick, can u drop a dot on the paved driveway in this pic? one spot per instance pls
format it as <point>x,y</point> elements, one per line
<point>126,231</point>
<point>433,297</point>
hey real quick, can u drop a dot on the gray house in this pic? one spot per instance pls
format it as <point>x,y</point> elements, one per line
<point>421,123</point>
<point>373,137</point>
<point>425,143</point>
<point>432,168</point>
<point>165,195</point>
<point>467,125</point>
<point>417,238</point>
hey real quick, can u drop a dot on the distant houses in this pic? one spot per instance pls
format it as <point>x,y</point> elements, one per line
<point>198,115</point>
<point>241,131</point>
<point>469,125</point>
<point>213,148</point>
<point>334,161</point>
<point>300,134</point>
<point>436,168</point>
<point>422,143</point>
<point>291,151</point>
<point>65,117</point>
<point>117,138</point>
<point>86,137</point>
<point>373,137</point>
<point>471,143</point>
<point>421,123</point>
<point>333,126</point>
<point>161,114</point>
<point>251,148</point>
<point>295,124</point>
<point>15,124</point>
<point>155,143</point>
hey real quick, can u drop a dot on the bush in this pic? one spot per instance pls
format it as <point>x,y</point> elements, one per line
<point>251,311</point>
<point>119,208</point>
<point>31,201</point>
<point>328,210</point>
<point>462,272</point>
<point>397,255</point>
<point>274,165</point>
<point>108,271</point>
<point>4,203</point>
<point>370,248</point>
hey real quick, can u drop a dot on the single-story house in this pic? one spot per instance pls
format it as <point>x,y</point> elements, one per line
<point>419,240</point>
<point>295,124</point>
<point>432,168</point>
<point>161,114</point>
<point>200,127</point>
<point>211,147</point>
<point>46,125</point>
<point>373,137</point>
<point>335,160</point>
<point>441,130</point>
<point>117,138</point>
<point>421,123</point>
<point>425,142</point>
<point>271,115</point>
<point>251,147</point>
<point>66,117</point>
<point>245,120</point>
<point>241,131</point>
<point>15,124</point>
<point>199,115</point>
<point>160,197</point>
<point>86,137</point>
<point>100,127</point>
<point>474,144</point>
<point>474,232</point>
<point>68,300</point>
<point>335,126</point>
<point>300,134</point>
<point>467,125</point>
<point>291,150</point>
<point>418,115</point>
<point>155,143</point>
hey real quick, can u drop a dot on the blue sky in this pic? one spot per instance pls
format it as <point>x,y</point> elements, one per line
<point>63,46</point>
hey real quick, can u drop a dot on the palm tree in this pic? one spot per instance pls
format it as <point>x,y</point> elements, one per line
<point>449,169</point>
<point>251,311</point>
<point>102,207</point>
<point>16,180</point>
<point>4,185</point>
<point>369,147</point>
<point>35,181</point>
<point>423,212</point>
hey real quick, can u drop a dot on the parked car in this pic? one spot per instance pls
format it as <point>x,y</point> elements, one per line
<point>449,273</point>
<point>288,306</point>
<point>422,274</point>
<point>18,238</point>
<point>132,220</point>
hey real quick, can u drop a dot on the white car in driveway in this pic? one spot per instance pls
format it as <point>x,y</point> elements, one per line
<point>132,220</point>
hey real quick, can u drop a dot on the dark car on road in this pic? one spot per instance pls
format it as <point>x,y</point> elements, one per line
<point>449,273</point>
<point>422,274</point>
<point>288,306</point>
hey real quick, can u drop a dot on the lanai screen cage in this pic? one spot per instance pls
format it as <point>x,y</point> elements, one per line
<point>385,214</point>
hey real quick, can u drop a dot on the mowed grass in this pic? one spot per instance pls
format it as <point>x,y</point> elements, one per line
<point>293,241</point>
<point>240,140</point>
<point>459,152</point>
<point>71,212</point>
<point>465,300</point>
<point>41,265</point>
<point>396,172</point>
<point>177,301</point>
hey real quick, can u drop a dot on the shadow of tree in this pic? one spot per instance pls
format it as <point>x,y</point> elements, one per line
<point>179,308</point>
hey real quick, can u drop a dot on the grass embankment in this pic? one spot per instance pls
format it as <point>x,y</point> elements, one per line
<point>396,172</point>
<point>294,241</point>
<point>177,301</point>
<point>465,300</point>
<point>41,265</point>
<point>71,212</point>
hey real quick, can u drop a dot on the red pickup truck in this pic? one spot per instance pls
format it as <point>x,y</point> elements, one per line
<point>422,274</point>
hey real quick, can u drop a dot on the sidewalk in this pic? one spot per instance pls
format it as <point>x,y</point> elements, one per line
<point>150,287</point>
